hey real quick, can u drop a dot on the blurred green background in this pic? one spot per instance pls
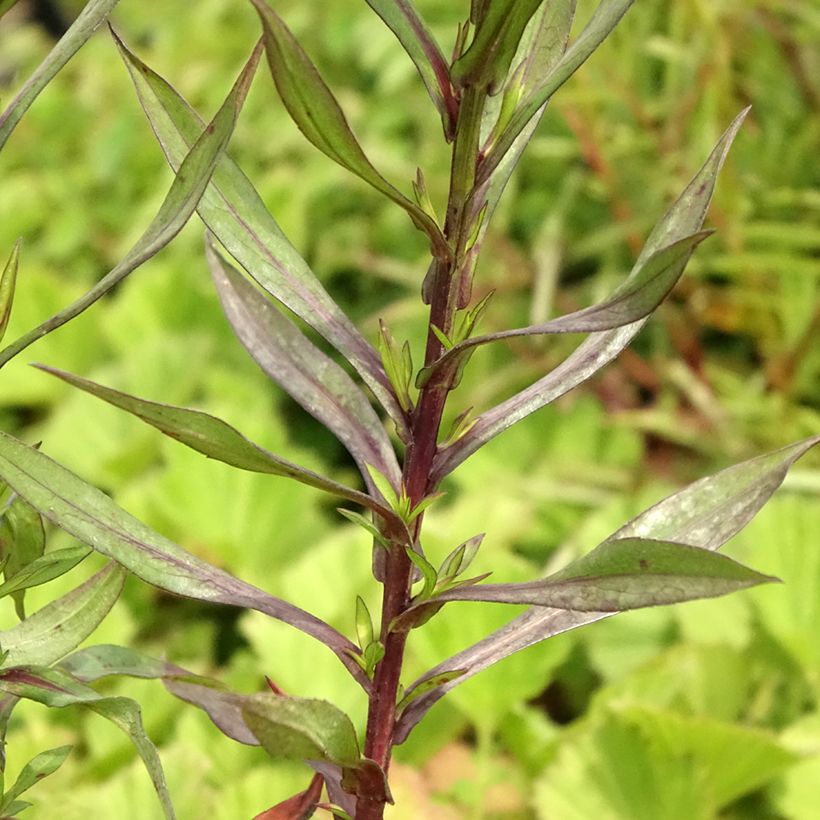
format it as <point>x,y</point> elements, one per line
<point>701,711</point>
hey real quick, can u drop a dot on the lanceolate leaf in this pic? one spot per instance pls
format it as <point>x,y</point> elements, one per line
<point>40,766</point>
<point>683,219</point>
<point>22,541</point>
<point>43,569</point>
<point>56,688</point>
<point>236,215</point>
<point>103,660</point>
<point>61,626</point>
<point>216,439</point>
<point>186,189</point>
<point>8,280</point>
<point>603,21</point>
<point>406,23</point>
<point>89,20</point>
<point>705,515</point>
<point>93,518</point>
<point>315,110</point>
<point>312,378</point>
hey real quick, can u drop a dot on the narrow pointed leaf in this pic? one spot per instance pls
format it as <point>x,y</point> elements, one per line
<point>62,625</point>
<point>312,378</point>
<point>104,660</point>
<point>215,439</point>
<point>88,21</point>
<point>8,280</point>
<point>56,688</point>
<point>94,519</point>
<point>301,729</point>
<point>44,569</point>
<point>236,215</point>
<point>314,109</point>
<point>22,541</point>
<point>683,219</point>
<point>299,807</point>
<point>188,186</point>
<point>606,16</point>
<point>40,766</point>
<point>704,514</point>
<point>412,32</point>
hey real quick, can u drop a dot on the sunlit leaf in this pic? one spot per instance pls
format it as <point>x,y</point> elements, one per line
<point>8,280</point>
<point>44,569</point>
<point>33,772</point>
<point>22,541</point>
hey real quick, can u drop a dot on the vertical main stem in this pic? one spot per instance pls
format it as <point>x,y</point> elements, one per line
<point>421,451</point>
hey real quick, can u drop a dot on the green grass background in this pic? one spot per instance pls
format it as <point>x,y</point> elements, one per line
<point>701,711</point>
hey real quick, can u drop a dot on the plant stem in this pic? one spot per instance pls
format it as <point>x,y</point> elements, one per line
<point>425,425</point>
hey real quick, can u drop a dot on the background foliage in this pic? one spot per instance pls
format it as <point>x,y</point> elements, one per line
<point>703,710</point>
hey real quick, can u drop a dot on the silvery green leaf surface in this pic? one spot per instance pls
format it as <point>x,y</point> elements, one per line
<point>314,109</point>
<point>40,766</point>
<point>311,377</point>
<point>56,688</point>
<point>62,625</point>
<point>94,519</point>
<point>704,514</point>
<point>43,569</point>
<point>187,188</point>
<point>103,660</point>
<point>234,212</point>
<point>215,439</point>
<point>604,19</point>
<point>88,21</point>
<point>412,32</point>
<point>683,219</point>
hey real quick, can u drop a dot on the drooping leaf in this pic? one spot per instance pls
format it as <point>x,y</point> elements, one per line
<point>705,514</point>
<point>606,16</point>
<point>188,186</point>
<point>301,729</point>
<point>299,807</point>
<point>94,519</point>
<point>314,109</point>
<point>88,21</point>
<point>215,439</point>
<point>103,660</point>
<point>62,625</point>
<point>406,23</point>
<point>56,688</point>
<point>236,215</point>
<point>639,295</point>
<point>683,219</point>
<point>39,767</point>
<point>8,280</point>
<point>312,378</point>
<point>44,569</point>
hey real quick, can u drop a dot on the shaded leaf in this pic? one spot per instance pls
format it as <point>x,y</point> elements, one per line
<point>40,766</point>
<point>728,500</point>
<point>8,280</point>
<point>22,541</point>
<point>56,688</point>
<point>683,219</point>
<point>88,21</point>
<point>234,212</point>
<point>216,439</point>
<point>333,783</point>
<point>60,626</point>
<point>186,189</point>
<point>44,569</point>
<point>95,662</point>
<point>305,372</point>
<point>299,807</point>
<point>94,519</point>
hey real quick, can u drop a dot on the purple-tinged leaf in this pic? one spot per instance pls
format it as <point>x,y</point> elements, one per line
<point>234,212</point>
<point>94,519</point>
<point>683,219</point>
<point>62,625</point>
<point>8,281</point>
<point>640,294</point>
<point>314,109</point>
<point>311,377</point>
<point>301,806</point>
<point>187,188</point>
<point>89,20</point>
<point>104,660</point>
<point>215,439</point>
<point>56,688</point>
<point>40,766</point>
<point>333,783</point>
<point>606,16</point>
<point>704,514</point>
<point>412,32</point>
<point>43,569</point>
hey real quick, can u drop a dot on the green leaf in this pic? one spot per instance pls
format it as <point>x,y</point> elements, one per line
<point>46,568</point>
<point>215,439</point>
<point>8,280</point>
<point>56,688</point>
<point>187,188</point>
<point>5,5</point>
<point>428,572</point>
<point>103,660</point>
<point>364,623</point>
<point>315,110</point>
<point>412,32</point>
<point>22,541</point>
<point>62,625</point>
<point>89,20</point>
<point>301,729</point>
<point>383,485</point>
<point>94,519</point>
<point>235,214</point>
<point>40,766</point>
